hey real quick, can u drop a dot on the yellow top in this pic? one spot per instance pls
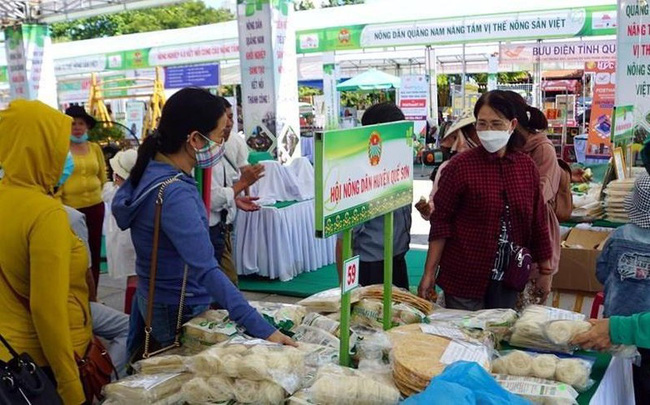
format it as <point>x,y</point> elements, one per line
<point>84,187</point>
<point>39,255</point>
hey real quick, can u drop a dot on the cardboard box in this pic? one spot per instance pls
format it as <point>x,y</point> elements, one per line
<point>578,261</point>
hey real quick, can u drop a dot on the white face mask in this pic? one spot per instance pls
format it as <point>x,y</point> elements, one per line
<point>493,141</point>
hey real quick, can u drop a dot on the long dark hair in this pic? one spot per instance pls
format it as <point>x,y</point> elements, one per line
<point>190,109</point>
<point>530,118</point>
<point>499,101</point>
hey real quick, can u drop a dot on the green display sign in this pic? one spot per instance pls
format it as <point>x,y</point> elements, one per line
<point>623,125</point>
<point>4,78</point>
<point>559,23</point>
<point>362,173</point>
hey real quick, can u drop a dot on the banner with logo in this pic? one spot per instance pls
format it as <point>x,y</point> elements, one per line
<point>362,173</point>
<point>25,47</point>
<point>633,58</point>
<point>599,144</point>
<point>413,96</point>
<point>566,51</point>
<point>533,25</point>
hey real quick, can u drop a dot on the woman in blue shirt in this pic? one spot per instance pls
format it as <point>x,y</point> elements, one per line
<point>190,134</point>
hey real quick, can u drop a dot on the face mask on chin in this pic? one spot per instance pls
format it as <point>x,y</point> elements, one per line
<point>493,141</point>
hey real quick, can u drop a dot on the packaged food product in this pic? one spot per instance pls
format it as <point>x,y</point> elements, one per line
<point>209,328</point>
<point>146,389</point>
<point>549,329</point>
<point>345,386</point>
<point>572,371</point>
<point>328,300</point>
<point>419,356</point>
<point>370,312</point>
<point>162,364</point>
<point>255,360</point>
<point>539,391</point>
<point>285,317</point>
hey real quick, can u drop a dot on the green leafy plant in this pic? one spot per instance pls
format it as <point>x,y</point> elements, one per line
<point>102,133</point>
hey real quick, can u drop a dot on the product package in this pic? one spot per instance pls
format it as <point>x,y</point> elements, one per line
<point>162,364</point>
<point>285,317</point>
<point>209,328</point>
<point>572,371</point>
<point>345,386</point>
<point>548,329</point>
<point>254,360</point>
<point>418,356</point>
<point>539,391</point>
<point>370,312</point>
<point>399,295</point>
<point>146,389</point>
<point>328,300</point>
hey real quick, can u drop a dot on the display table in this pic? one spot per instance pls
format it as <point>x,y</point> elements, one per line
<point>278,241</point>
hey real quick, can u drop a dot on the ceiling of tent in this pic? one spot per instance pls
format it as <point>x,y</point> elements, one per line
<point>50,11</point>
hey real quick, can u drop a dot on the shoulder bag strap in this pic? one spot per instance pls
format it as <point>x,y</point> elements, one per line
<point>154,269</point>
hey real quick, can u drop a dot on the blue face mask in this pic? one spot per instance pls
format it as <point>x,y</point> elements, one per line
<point>79,139</point>
<point>68,168</point>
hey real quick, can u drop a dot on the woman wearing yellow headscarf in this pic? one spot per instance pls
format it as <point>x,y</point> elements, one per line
<point>40,258</point>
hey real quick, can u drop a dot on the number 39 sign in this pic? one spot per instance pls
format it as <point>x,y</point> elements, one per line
<point>350,274</point>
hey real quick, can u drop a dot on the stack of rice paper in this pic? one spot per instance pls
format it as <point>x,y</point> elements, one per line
<point>616,193</point>
<point>419,356</point>
<point>370,313</point>
<point>399,295</point>
<point>157,389</point>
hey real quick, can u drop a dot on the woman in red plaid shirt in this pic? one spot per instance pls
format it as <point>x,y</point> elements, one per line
<point>489,198</point>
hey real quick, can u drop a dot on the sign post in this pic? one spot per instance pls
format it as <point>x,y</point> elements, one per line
<point>361,174</point>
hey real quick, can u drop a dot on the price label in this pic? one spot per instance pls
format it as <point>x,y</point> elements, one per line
<point>350,274</point>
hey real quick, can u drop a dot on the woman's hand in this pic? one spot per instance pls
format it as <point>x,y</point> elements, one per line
<point>595,338</point>
<point>279,337</point>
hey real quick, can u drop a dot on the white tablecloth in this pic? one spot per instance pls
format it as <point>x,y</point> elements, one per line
<point>307,148</point>
<point>280,243</point>
<point>616,388</point>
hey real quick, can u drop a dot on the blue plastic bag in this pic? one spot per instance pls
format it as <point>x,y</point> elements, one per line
<point>465,383</point>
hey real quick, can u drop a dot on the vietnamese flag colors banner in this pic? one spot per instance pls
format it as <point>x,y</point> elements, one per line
<point>599,145</point>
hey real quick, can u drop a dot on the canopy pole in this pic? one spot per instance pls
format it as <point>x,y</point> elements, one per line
<point>432,75</point>
<point>463,81</point>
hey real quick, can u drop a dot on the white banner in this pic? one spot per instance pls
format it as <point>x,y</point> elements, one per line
<point>269,78</point>
<point>414,101</point>
<point>633,66</point>
<point>569,51</point>
<point>79,65</point>
<point>25,48</point>
<point>496,27</point>
<point>194,53</point>
<point>135,111</point>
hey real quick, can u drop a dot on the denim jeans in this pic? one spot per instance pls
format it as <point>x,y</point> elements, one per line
<point>163,323</point>
<point>113,327</point>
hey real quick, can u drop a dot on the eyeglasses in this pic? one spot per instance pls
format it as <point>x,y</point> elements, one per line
<point>496,125</point>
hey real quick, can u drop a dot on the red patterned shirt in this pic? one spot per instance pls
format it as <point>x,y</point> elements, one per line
<point>469,205</point>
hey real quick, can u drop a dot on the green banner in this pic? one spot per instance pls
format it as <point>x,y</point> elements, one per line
<point>362,173</point>
<point>545,24</point>
<point>623,125</point>
<point>4,77</point>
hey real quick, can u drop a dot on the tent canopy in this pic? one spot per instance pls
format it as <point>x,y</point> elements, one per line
<point>370,80</point>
